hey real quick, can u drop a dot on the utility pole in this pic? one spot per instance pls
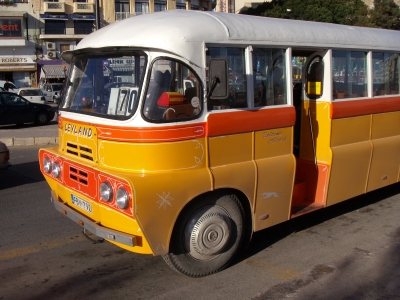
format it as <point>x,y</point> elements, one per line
<point>97,14</point>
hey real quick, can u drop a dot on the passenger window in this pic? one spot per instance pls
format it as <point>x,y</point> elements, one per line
<point>349,74</point>
<point>173,93</point>
<point>269,76</point>
<point>385,67</point>
<point>237,87</point>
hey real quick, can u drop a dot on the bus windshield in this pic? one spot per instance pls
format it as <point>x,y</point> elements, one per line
<point>105,85</point>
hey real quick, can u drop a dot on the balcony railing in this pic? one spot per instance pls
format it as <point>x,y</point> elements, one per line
<point>53,31</point>
<point>83,31</point>
<point>54,7</point>
<point>83,8</point>
<point>50,30</point>
<point>119,16</point>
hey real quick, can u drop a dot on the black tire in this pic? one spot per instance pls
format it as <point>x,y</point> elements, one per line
<point>207,235</point>
<point>42,118</point>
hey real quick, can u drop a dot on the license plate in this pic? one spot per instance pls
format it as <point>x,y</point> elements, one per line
<point>81,203</point>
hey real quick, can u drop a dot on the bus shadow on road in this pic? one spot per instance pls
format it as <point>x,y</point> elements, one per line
<point>263,239</point>
<point>21,174</point>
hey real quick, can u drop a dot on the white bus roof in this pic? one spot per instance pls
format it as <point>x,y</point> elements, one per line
<point>185,32</point>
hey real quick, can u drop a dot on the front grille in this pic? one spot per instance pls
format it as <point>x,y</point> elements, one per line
<point>80,178</point>
<point>80,151</point>
<point>78,175</point>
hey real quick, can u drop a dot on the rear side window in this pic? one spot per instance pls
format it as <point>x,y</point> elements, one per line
<point>385,76</point>
<point>349,74</point>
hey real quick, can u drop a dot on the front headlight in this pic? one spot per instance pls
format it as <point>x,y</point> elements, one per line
<point>47,165</point>
<point>56,170</point>
<point>106,191</point>
<point>122,198</point>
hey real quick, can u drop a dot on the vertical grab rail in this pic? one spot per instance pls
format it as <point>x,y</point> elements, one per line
<point>312,138</point>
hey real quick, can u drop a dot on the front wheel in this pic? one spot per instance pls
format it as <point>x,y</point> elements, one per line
<point>208,234</point>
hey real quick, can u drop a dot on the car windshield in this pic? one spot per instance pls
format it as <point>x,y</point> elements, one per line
<point>107,85</point>
<point>57,87</point>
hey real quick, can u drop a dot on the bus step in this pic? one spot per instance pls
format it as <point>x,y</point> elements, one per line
<point>304,208</point>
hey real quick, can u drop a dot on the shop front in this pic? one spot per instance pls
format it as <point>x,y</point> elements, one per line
<point>52,71</point>
<point>16,54</point>
<point>21,70</point>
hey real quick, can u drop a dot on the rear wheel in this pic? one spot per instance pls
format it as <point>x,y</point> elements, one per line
<point>208,234</point>
<point>42,118</point>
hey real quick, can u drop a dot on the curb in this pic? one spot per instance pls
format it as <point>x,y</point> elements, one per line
<point>32,141</point>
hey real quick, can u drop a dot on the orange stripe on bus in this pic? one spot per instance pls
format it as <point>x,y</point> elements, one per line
<point>231,122</point>
<point>353,108</point>
<point>153,134</point>
<point>145,134</point>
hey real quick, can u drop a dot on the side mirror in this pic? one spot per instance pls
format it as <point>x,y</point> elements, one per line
<point>218,76</point>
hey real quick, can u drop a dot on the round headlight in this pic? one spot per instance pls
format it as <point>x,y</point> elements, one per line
<point>47,165</point>
<point>56,170</point>
<point>122,198</point>
<point>106,192</point>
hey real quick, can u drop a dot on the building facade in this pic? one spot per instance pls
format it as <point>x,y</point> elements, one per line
<point>34,33</point>
<point>17,44</point>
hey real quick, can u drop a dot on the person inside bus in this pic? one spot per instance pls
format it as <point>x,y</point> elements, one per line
<point>162,83</point>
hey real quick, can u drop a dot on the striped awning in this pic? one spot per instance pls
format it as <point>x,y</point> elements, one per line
<point>55,71</point>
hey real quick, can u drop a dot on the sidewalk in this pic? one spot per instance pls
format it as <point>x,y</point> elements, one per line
<point>30,134</point>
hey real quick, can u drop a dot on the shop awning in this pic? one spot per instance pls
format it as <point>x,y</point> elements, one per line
<point>83,17</point>
<point>56,71</point>
<point>53,17</point>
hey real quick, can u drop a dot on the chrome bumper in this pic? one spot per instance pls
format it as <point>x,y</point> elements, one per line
<point>91,226</point>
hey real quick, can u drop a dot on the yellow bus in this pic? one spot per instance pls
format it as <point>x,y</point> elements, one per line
<point>183,132</point>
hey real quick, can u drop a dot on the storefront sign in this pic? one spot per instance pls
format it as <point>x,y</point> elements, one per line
<point>15,60</point>
<point>10,28</point>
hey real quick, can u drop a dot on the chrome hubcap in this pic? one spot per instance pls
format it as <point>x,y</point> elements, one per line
<point>207,232</point>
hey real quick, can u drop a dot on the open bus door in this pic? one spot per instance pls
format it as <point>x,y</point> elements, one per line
<point>311,140</point>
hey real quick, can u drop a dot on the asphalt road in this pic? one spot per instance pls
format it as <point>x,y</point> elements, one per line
<point>348,251</point>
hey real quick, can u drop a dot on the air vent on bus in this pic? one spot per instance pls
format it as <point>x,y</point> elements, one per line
<point>78,175</point>
<point>80,151</point>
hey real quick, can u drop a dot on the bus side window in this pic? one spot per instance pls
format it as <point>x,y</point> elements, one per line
<point>349,70</point>
<point>269,76</point>
<point>237,85</point>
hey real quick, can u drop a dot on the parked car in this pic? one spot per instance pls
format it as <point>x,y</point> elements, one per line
<point>34,95</point>
<point>13,88</point>
<point>17,110</point>
<point>4,157</point>
<point>52,91</point>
